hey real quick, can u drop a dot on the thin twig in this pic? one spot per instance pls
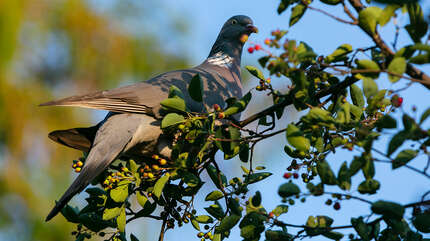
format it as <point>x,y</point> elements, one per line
<point>332,16</point>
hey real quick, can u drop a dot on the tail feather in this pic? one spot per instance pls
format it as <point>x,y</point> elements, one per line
<point>77,138</point>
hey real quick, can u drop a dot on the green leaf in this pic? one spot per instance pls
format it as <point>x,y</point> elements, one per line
<point>175,103</point>
<point>370,88</point>
<point>141,198</point>
<point>215,195</point>
<point>283,5</point>
<point>256,199</point>
<point>159,185</point>
<point>333,235</point>
<point>133,166</point>
<point>195,224</point>
<point>361,228</point>
<point>326,174</point>
<point>171,119</point>
<point>121,221</point>
<point>110,213</point>
<point>396,142</point>
<point>227,223</point>
<point>425,115</point>
<point>418,26</point>
<point>191,180</point>
<point>368,168</point>
<point>356,95</point>
<point>368,19</point>
<point>213,174</point>
<point>404,157</point>
<point>133,238</point>
<point>280,209</point>
<point>343,177</point>
<point>204,219</point>
<point>369,186</point>
<point>388,209</point>
<point>175,92</point>
<point>386,122</point>
<point>296,13</point>
<point>295,138</point>
<point>421,222</point>
<point>256,177</point>
<point>195,89</point>
<point>71,214</point>
<point>277,235</point>
<point>215,210</point>
<point>340,54</point>
<point>238,106</point>
<point>120,193</point>
<point>396,66</point>
<point>255,72</point>
<point>369,65</point>
<point>387,13</point>
<point>288,189</point>
<point>331,2</point>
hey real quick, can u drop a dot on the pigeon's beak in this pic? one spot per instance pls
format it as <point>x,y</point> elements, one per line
<point>251,28</point>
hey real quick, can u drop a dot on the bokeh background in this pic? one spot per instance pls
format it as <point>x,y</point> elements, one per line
<point>57,48</point>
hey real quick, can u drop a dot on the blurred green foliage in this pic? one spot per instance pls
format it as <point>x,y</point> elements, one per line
<point>47,48</point>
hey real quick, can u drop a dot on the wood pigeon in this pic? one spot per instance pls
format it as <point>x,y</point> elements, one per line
<point>132,127</point>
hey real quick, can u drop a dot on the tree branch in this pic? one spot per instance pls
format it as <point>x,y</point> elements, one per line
<point>410,70</point>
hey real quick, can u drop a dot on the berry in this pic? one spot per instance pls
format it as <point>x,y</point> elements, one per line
<point>295,175</point>
<point>243,38</point>
<point>156,157</point>
<point>79,164</point>
<point>206,227</point>
<point>336,206</point>
<point>268,80</point>
<point>287,175</point>
<point>162,162</point>
<point>150,175</point>
<point>267,41</point>
<point>221,115</point>
<point>200,234</point>
<point>397,101</point>
<point>181,126</point>
<point>78,169</point>
<point>74,166</point>
<point>257,47</point>
<point>250,50</point>
<point>271,215</point>
<point>155,167</point>
<point>216,107</point>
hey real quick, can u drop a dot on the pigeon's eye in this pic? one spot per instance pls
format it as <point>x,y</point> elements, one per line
<point>234,21</point>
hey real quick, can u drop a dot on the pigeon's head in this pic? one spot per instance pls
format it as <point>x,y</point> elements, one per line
<point>236,28</point>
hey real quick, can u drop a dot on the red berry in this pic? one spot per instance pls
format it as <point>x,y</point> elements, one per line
<point>295,175</point>
<point>221,115</point>
<point>267,41</point>
<point>287,175</point>
<point>397,101</point>
<point>336,206</point>
<point>257,47</point>
<point>250,50</point>
<point>271,215</point>
<point>216,107</point>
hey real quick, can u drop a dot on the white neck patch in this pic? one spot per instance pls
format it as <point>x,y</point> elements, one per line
<point>221,59</point>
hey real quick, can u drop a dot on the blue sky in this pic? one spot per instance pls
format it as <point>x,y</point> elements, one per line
<point>204,19</point>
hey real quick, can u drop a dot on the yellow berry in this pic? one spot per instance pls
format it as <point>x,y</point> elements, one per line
<point>124,169</point>
<point>79,164</point>
<point>78,169</point>
<point>150,175</point>
<point>155,167</point>
<point>156,157</point>
<point>74,165</point>
<point>162,162</point>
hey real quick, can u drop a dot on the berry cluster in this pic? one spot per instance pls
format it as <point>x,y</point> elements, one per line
<point>78,164</point>
<point>149,172</point>
<point>256,47</point>
<point>218,110</point>
<point>116,177</point>
<point>205,236</point>
<point>264,85</point>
